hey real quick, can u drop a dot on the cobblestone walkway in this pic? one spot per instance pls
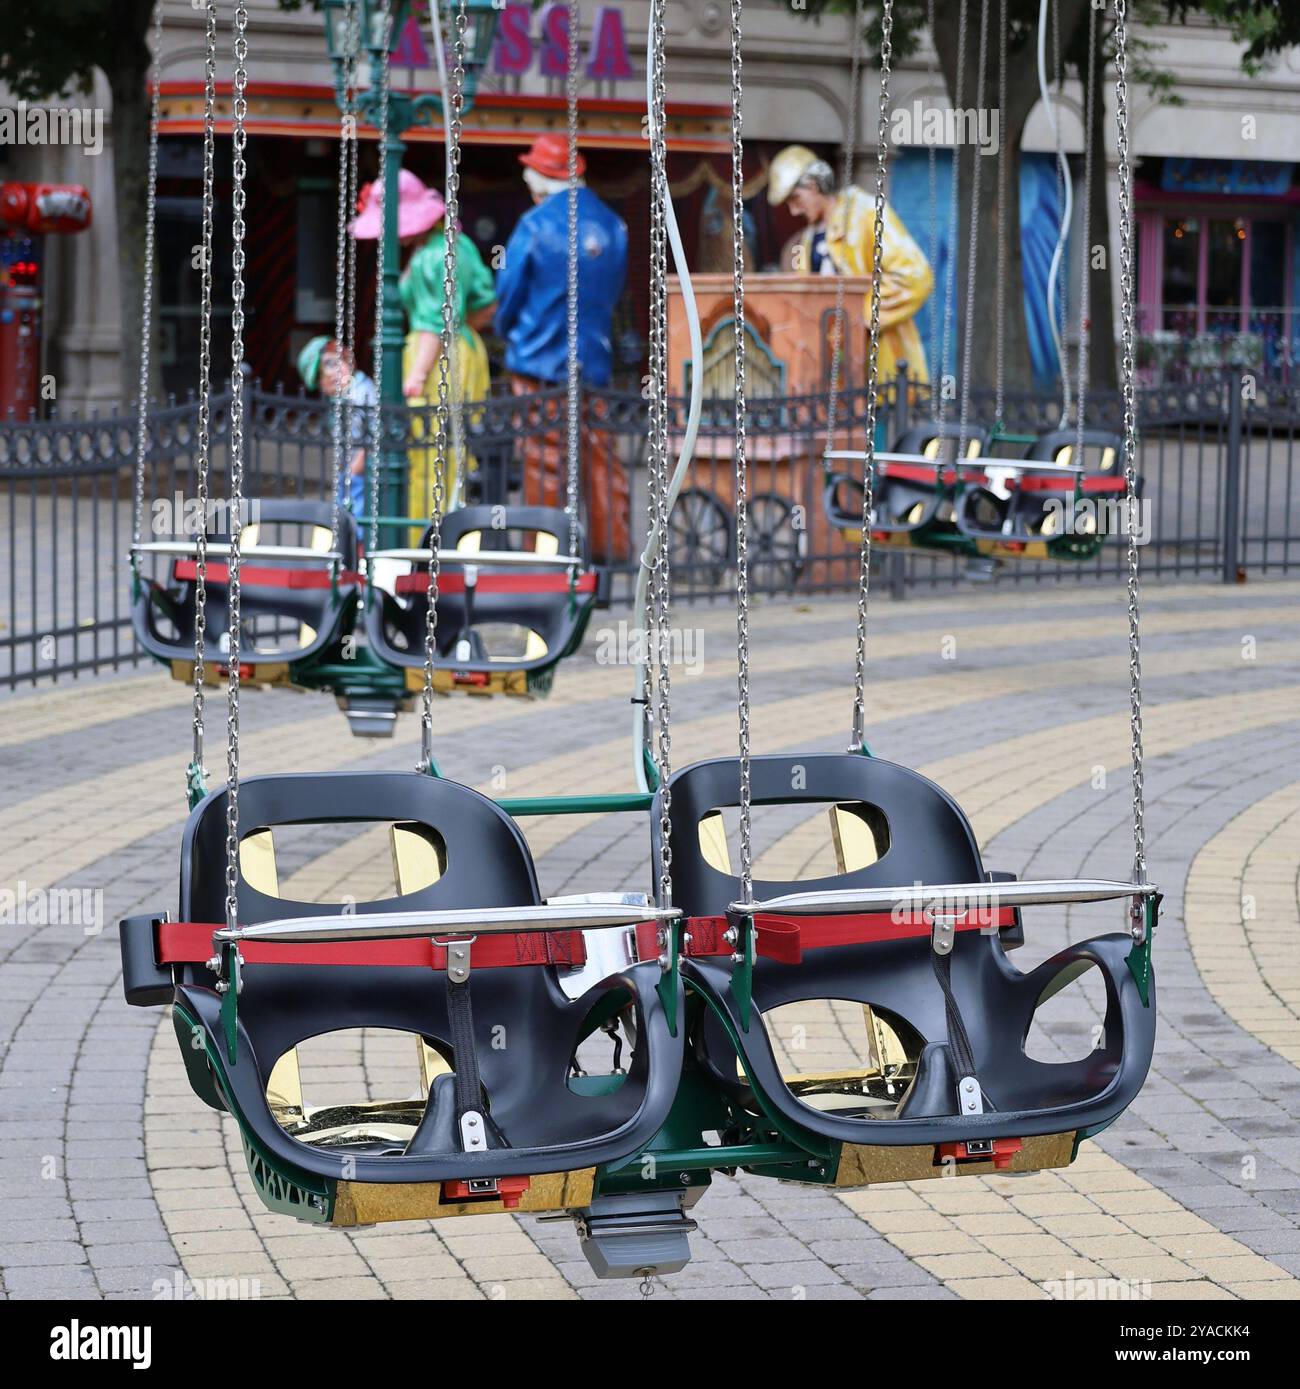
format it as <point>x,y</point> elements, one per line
<point>117,1182</point>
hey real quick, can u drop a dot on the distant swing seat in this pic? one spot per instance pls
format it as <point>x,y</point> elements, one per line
<point>295,607</point>
<point>949,1078</point>
<point>508,610</point>
<point>913,491</point>
<point>1053,505</point>
<point>467,959</point>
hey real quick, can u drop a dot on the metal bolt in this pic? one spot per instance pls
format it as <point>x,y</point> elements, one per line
<point>737,959</point>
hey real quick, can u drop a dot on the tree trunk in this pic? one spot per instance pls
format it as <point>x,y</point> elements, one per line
<point>1022,97</point>
<point>127,68</point>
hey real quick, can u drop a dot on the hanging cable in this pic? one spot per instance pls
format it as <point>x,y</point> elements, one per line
<point>950,282</point>
<point>858,734</point>
<point>378,189</point>
<point>932,165</point>
<point>1000,349</point>
<point>342,451</point>
<point>196,777</point>
<point>239,170</point>
<point>1128,391</point>
<point>1085,257</point>
<point>972,253</point>
<point>571,289</point>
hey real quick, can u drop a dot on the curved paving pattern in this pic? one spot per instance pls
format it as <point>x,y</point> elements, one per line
<point>1014,701</point>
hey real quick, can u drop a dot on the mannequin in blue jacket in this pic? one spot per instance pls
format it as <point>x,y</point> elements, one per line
<point>531,317</point>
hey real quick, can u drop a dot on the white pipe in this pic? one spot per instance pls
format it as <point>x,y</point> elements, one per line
<point>1053,275</point>
<point>687,452</point>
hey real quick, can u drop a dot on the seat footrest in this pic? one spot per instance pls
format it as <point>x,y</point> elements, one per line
<point>634,1236</point>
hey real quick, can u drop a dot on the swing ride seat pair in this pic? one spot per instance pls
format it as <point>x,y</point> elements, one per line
<point>1045,507</point>
<point>914,929</point>
<point>281,585</point>
<point>503,579</point>
<point>913,490</point>
<point>503,1123</point>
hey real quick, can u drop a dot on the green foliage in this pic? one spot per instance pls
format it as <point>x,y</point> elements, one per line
<point>56,45</point>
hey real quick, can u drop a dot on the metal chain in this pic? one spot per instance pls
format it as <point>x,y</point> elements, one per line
<point>659,462</point>
<point>972,252</point>
<point>1000,350</point>
<point>377,422</point>
<point>1085,267</point>
<point>571,291</point>
<point>455,99</point>
<point>146,291</point>
<point>742,472</point>
<point>196,774</point>
<point>846,184</point>
<point>1062,164</point>
<point>932,161</point>
<point>1128,391</point>
<point>337,421</point>
<point>859,729</point>
<point>349,343</point>
<point>950,286</point>
<point>239,144</point>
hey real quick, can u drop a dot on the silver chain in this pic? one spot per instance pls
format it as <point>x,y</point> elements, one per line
<point>972,252</point>
<point>455,99</point>
<point>378,190</point>
<point>239,144</point>
<point>204,440</point>
<point>571,294</point>
<point>1128,390</point>
<point>859,729</point>
<point>1062,164</point>
<point>1085,259</point>
<point>1000,350</point>
<point>660,592</point>
<point>146,291</point>
<point>950,286</point>
<point>932,163</point>
<point>742,472</point>
<point>846,184</point>
<point>338,423</point>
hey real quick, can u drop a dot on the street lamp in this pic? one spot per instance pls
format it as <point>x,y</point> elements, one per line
<point>403,112</point>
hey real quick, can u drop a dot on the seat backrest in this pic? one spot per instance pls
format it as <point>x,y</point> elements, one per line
<point>1103,449</point>
<point>484,860</point>
<point>923,438</point>
<point>487,527</point>
<point>269,513</point>
<point>929,839</point>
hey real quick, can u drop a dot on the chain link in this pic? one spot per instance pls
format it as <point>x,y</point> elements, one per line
<point>950,284</point>
<point>1085,259</point>
<point>571,293</point>
<point>239,170</point>
<point>204,439</point>
<point>742,471</point>
<point>339,425</point>
<point>1062,165</point>
<point>378,430</point>
<point>972,250</point>
<point>846,183</point>
<point>859,729</point>
<point>455,99</point>
<point>146,290</point>
<point>660,591</point>
<point>1128,391</point>
<point>932,163</point>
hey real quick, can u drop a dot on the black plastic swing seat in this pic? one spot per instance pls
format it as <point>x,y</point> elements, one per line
<point>908,496</point>
<point>921,836</point>
<point>287,595</point>
<point>1035,512</point>
<point>525,1027</point>
<point>501,628</point>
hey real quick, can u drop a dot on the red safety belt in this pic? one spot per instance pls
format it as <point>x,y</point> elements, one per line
<point>496,583</point>
<point>190,943</point>
<point>1039,482</point>
<point>257,576</point>
<point>785,938</point>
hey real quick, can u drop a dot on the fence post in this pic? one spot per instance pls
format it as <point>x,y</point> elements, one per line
<point>1232,483</point>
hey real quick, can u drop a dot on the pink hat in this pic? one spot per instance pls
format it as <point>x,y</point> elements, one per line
<point>418,208</point>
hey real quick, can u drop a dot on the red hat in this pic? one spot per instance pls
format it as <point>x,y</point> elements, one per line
<point>549,155</point>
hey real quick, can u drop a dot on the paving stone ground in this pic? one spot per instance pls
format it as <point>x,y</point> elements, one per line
<point>116,1182</point>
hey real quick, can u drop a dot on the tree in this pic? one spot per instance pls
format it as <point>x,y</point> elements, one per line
<point>53,48</point>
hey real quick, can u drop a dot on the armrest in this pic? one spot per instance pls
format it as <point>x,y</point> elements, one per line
<point>145,982</point>
<point>946,898</point>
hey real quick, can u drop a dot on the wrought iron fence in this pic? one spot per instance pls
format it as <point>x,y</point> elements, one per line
<point>1218,462</point>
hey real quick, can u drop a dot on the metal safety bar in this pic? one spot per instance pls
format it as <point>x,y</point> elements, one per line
<point>482,559</point>
<point>182,548</point>
<point>946,896</point>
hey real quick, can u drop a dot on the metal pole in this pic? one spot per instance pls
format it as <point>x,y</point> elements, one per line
<point>1232,482</point>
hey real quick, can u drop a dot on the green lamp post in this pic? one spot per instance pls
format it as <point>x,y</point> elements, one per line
<point>404,111</point>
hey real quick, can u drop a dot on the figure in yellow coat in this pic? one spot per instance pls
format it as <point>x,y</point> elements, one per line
<point>840,236</point>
